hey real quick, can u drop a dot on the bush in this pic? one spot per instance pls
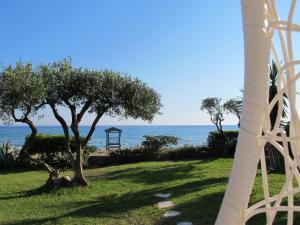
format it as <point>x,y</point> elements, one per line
<point>127,156</point>
<point>152,144</point>
<point>185,152</point>
<point>159,141</point>
<point>141,154</point>
<point>223,143</point>
<point>50,149</point>
<point>8,156</point>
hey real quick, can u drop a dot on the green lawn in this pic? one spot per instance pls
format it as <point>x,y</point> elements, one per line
<point>123,194</point>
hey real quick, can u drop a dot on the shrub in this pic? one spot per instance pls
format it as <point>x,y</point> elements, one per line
<point>185,152</point>
<point>127,156</point>
<point>152,144</point>
<point>159,141</point>
<point>140,154</point>
<point>8,156</point>
<point>223,143</point>
<point>50,149</point>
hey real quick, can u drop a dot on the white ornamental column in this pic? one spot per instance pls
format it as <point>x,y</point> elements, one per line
<point>256,50</point>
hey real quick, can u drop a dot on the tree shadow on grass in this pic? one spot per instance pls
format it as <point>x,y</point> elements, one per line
<point>9,171</point>
<point>151,175</point>
<point>154,175</point>
<point>105,206</point>
<point>44,189</point>
<point>111,206</point>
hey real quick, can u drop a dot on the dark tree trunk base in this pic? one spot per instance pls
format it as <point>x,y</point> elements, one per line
<point>56,181</point>
<point>79,181</point>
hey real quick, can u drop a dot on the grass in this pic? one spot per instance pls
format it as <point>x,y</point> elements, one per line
<point>123,195</point>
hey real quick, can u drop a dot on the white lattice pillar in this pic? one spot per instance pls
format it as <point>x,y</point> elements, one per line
<point>248,152</point>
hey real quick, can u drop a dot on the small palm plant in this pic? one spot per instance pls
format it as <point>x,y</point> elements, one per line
<point>274,157</point>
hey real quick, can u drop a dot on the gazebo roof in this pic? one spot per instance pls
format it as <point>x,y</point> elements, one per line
<point>111,129</point>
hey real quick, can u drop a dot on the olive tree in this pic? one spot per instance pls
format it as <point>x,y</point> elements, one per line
<point>214,108</point>
<point>98,93</point>
<point>234,106</point>
<point>21,95</point>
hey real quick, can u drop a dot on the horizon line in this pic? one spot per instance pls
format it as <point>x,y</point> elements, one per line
<point>58,125</point>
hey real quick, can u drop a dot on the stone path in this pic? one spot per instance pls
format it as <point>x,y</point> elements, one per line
<point>171,214</point>
<point>168,204</point>
<point>161,195</point>
<point>185,223</point>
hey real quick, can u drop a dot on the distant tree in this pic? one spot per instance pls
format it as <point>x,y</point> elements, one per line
<point>234,106</point>
<point>214,108</point>
<point>21,95</point>
<point>98,93</point>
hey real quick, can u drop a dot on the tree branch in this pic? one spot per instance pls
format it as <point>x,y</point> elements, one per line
<point>92,129</point>
<point>15,118</point>
<point>32,127</point>
<point>65,129</point>
<point>39,161</point>
<point>85,107</point>
<point>27,112</point>
<point>74,124</point>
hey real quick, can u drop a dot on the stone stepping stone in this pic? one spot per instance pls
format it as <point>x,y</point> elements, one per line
<point>185,223</point>
<point>161,195</point>
<point>165,204</point>
<point>171,214</point>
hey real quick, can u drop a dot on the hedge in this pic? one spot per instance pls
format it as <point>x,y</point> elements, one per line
<point>51,148</point>
<point>45,143</point>
<point>141,154</point>
<point>224,143</point>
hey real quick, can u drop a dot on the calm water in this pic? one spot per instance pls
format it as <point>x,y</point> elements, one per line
<point>131,135</point>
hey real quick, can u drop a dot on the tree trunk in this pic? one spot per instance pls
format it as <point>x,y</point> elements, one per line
<point>31,137</point>
<point>79,178</point>
<point>33,129</point>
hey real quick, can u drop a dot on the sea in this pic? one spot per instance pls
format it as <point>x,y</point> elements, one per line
<point>131,136</point>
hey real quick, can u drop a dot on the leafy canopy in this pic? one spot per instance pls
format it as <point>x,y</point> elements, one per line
<point>99,91</point>
<point>21,92</point>
<point>234,106</point>
<point>215,110</point>
<point>159,141</point>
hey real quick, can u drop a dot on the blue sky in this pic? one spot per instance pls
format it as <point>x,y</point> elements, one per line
<point>187,50</point>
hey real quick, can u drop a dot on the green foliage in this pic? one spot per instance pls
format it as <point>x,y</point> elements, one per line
<point>98,92</point>
<point>214,108</point>
<point>142,154</point>
<point>185,152</point>
<point>225,142</point>
<point>24,90</point>
<point>234,106</point>
<point>8,156</point>
<point>159,141</point>
<point>50,148</point>
<point>273,80</point>
<point>152,144</point>
<point>127,156</point>
<point>275,158</point>
<point>21,92</point>
<point>101,91</point>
